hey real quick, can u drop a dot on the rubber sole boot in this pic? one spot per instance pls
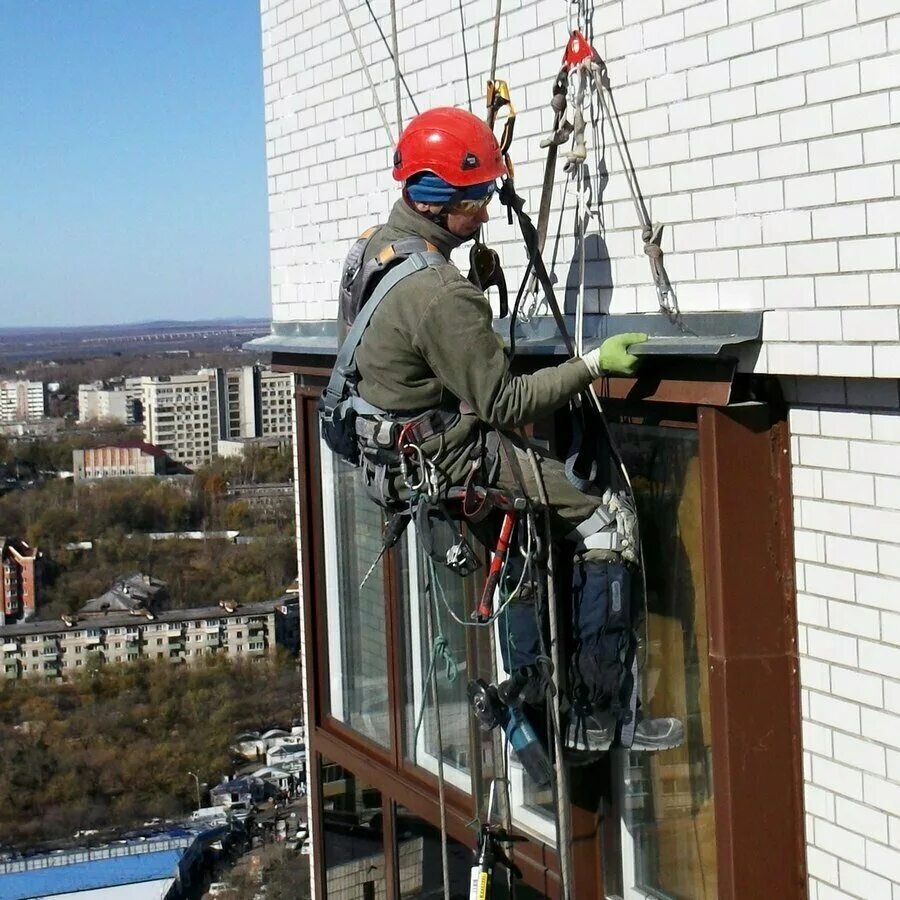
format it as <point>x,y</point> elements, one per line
<point>653,735</point>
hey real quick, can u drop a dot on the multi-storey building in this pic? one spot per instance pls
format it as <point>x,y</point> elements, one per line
<point>763,434</point>
<point>22,401</point>
<point>20,580</point>
<point>128,460</point>
<point>59,649</point>
<point>187,415</point>
<point>276,403</point>
<point>94,402</point>
<point>181,415</point>
<point>258,403</point>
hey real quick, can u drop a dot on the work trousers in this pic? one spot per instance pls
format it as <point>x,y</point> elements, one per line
<point>595,612</point>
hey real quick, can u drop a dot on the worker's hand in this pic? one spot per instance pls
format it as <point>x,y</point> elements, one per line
<point>612,356</point>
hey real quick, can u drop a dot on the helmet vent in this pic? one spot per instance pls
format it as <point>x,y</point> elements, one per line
<point>470,161</point>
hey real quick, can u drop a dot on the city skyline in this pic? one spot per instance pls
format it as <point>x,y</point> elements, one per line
<point>134,154</point>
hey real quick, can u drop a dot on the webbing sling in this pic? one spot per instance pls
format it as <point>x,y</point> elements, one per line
<point>344,371</point>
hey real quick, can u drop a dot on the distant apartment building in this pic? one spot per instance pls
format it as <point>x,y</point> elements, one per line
<point>257,403</point>
<point>276,391</point>
<point>187,415</point>
<point>20,581</point>
<point>181,414</point>
<point>22,401</point>
<point>97,403</point>
<point>133,459</point>
<point>57,649</point>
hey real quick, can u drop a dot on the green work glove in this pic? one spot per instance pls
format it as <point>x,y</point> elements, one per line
<point>612,356</point>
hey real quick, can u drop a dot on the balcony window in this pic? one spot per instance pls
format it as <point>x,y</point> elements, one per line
<point>357,646</point>
<point>668,843</point>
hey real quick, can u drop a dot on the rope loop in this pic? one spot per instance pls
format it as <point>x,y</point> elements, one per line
<point>441,650</point>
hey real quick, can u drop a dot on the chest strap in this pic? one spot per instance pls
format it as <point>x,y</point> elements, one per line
<point>344,374</point>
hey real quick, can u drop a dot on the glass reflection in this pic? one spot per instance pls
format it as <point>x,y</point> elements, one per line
<point>667,798</point>
<point>357,646</point>
<point>453,645</point>
<point>354,838</point>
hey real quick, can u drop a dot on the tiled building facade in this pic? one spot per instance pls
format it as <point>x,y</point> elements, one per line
<point>766,138</point>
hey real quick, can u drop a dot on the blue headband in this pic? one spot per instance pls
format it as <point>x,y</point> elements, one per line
<point>425,187</point>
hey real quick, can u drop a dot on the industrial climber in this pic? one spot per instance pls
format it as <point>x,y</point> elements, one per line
<point>423,362</point>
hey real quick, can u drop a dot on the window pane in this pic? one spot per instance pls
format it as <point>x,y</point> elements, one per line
<point>454,664</point>
<point>357,647</point>
<point>419,860</point>
<point>667,798</point>
<point>354,837</point>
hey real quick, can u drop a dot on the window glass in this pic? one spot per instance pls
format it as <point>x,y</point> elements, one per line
<point>354,837</point>
<point>357,646</point>
<point>463,653</point>
<point>455,647</point>
<point>419,860</point>
<point>666,799</point>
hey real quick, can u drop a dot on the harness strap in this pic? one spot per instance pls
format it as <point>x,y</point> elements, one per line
<point>345,366</point>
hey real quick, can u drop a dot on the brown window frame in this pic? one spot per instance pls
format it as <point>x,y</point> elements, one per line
<point>754,673</point>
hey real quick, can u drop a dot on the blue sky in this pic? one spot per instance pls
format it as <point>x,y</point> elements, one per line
<point>132,161</point>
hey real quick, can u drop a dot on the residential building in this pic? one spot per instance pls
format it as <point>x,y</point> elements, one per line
<point>20,587</point>
<point>134,397</point>
<point>58,649</point>
<point>762,435</point>
<point>96,403</point>
<point>187,415</point>
<point>259,403</point>
<point>135,459</point>
<point>276,403</point>
<point>22,401</point>
<point>180,415</point>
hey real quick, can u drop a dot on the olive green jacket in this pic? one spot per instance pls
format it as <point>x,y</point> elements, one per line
<point>430,344</point>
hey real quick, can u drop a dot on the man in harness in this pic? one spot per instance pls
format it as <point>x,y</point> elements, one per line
<point>421,364</point>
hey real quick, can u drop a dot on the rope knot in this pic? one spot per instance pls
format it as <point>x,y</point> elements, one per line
<point>441,649</point>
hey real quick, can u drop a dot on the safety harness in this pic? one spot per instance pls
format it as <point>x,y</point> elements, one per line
<point>345,417</point>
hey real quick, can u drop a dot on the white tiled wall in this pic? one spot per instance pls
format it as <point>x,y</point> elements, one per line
<point>846,477</point>
<point>765,132</point>
<point>767,138</point>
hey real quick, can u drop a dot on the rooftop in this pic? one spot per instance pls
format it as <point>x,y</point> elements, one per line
<point>54,626</point>
<point>91,875</point>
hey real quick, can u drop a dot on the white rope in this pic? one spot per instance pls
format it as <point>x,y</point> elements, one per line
<point>367,73</point>
<point>396,55</point>
<point>429,614</point>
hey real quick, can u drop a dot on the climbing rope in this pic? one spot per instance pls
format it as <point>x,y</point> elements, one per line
<point>462,30</point>
<point>387,46</point>
<point>396,56</point>
<point>429,620</point>
<point>563,841</point>
<point>367,73</point>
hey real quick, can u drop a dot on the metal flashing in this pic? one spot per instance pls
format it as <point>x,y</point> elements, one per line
<point>713,335</point>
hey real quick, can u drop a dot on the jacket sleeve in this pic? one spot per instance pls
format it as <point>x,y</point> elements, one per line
<point>455,336</point>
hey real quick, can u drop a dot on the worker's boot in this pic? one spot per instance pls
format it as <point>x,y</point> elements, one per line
<point>650,735</point>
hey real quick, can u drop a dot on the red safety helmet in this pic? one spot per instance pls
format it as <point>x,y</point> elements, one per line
<point>453,144</point>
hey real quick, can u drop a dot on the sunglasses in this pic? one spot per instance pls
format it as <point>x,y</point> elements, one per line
<point>472,206</point>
